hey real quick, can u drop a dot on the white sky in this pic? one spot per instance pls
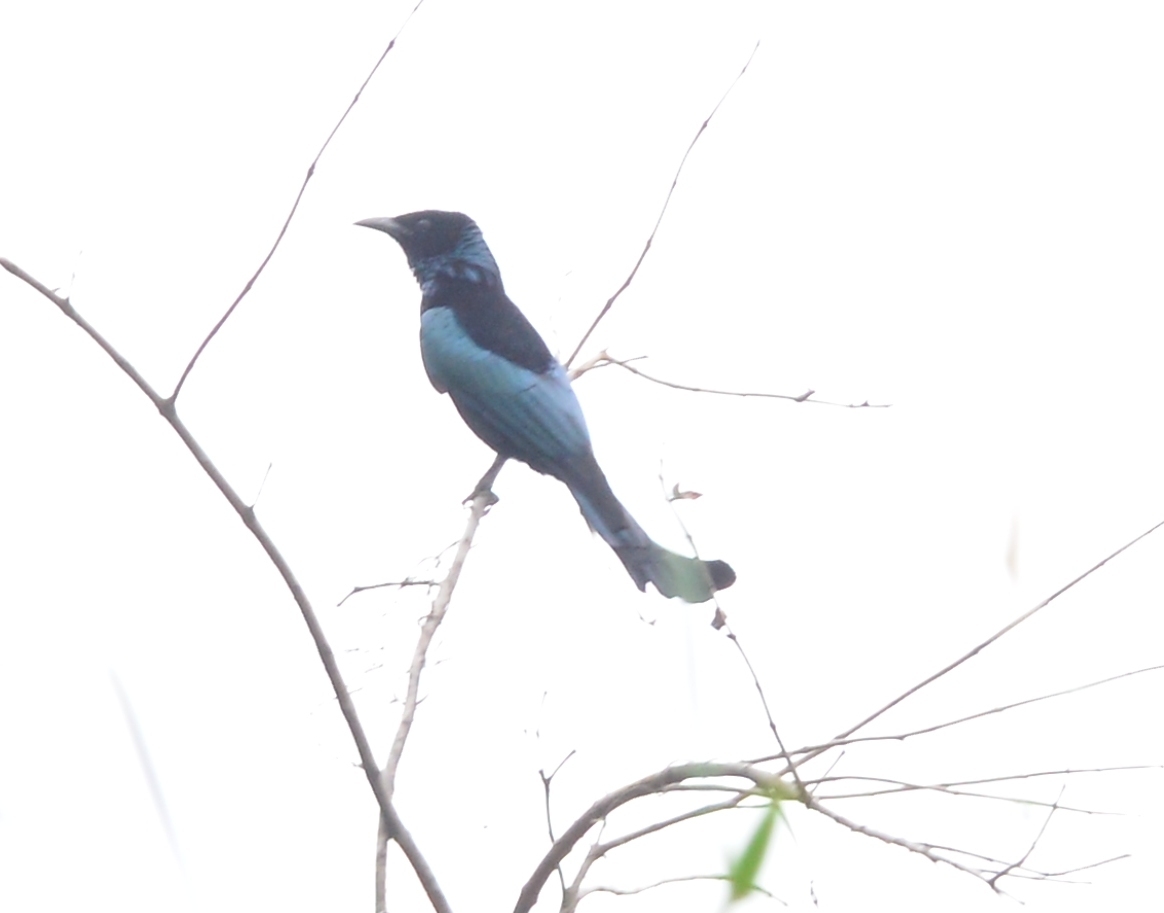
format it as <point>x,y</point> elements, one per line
<point>956,210</point>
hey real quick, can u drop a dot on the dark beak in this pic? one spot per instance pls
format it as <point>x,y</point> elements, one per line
<point>388,226</point>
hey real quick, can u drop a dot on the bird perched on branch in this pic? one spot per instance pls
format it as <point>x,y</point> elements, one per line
<point>480,349</point>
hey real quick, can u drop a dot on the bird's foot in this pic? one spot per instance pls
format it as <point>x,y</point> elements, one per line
<point>482,490</point>
<point>484,485</point>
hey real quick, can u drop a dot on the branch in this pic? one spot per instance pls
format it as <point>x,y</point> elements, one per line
<point>1039,836</point>
<point>482,499</point>
<point>168,410</point>
<point>481,502</point>
<point>1090,865</point>
<point>603,359</point>
<point>1033,874</point>
<point>902,786</point>
<point>663,211</point>
<point>677,880</point>
<point>574,894</point>
<point>921,849</point>
<point>982,646</point>
<point>990,877</point>
<point>294,207</point>
<point>407,582</point>
<point>815,750</point>
<point>546,781</point>
<point>647,786</point>
<point>672,779</point>
<point>767,711</point>
<point>726,804</point>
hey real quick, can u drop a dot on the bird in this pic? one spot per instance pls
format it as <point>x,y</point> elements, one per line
<point>513,393</point>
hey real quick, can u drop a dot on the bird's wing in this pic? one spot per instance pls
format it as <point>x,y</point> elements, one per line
<point>532,416</point>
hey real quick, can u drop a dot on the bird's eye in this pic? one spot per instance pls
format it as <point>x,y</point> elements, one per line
<point>424,224</point>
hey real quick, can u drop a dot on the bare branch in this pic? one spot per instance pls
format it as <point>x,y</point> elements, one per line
<point>828,770</point>
<point>677,880</point>
<point>294,207</point>
<point>1034,843</point>
<point>246,513</point>
<point>1090,865</point>
<point>407,582</point>
<point>644,787</point>
<point>734,802</point>
<point>482,499</point>
<point>547,779</point>
<point>663,211</point>
<point>598,361</point>
<point>996,868</point>
<point>1066,772</point>
<point>603,359</point>
<point>481,502</point>
<point>983,645</point>
<point>1028,873</point>
<point>573,894</point>
<point>951,791</point>
<point>921,849</point>
<point>767,711</point>
<point>815,750</point>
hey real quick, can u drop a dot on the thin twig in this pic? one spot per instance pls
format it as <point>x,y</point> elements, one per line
<point>981,781</point>
<point>828,770</point>
<point>806,397</point>
<point>970,854</point>
<point>920,849</point>
<point>767,710</point>
<point>734,802</point>
<point>662,212</point>
<point>407,582</point>
<point>902,736</point>
<point>933,852</point>
<point>964,793</point>
<point>1034,843</point>
<point>679,879</point>
<point>590,364</point>
<point>1027,872</point>
<point>246,513</point>
<point>294,206</point>
<point>1006,629</point>
<point>547,779</point>
<point>1090,865</point>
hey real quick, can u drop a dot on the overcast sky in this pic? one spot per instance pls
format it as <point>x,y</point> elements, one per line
<point>951,209</point>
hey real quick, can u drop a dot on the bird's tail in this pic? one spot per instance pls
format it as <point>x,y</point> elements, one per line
<point>691,579</point>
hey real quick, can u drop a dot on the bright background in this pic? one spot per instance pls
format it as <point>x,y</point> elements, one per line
<point>954,209</point>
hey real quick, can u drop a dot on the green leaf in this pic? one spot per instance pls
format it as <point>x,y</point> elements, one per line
<point>743,871</point>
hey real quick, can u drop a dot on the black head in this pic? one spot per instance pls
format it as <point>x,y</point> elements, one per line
<point>431,234</point>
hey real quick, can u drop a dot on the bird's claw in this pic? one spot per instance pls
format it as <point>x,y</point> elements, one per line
<point>479,491</point>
